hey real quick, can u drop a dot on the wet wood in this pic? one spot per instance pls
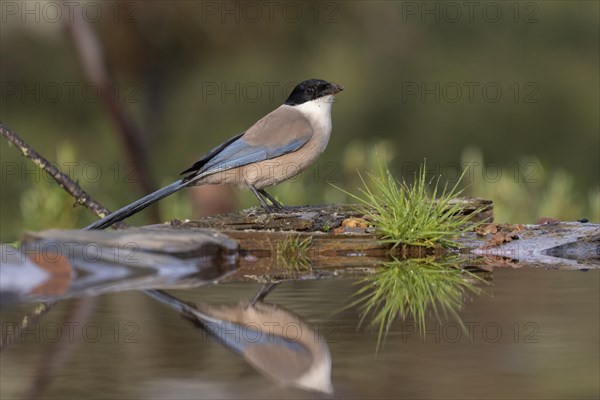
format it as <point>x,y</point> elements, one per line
<point>175,242</point>
<point>564,245</point>
<point>334,250</point>
<point>333,247</point>
<point>263,238</point>
<point>259,233</point>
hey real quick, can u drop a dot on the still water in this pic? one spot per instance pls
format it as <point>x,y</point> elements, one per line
<point>531,333</point>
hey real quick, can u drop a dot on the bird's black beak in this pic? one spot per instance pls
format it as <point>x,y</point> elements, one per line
<point>333,88</point>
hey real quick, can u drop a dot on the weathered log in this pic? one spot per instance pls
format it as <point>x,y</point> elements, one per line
<point>332,244</point>
<point>566,245</point>
<point>322,218</point>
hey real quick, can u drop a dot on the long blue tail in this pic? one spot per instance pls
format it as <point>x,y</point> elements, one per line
<point>138,205</point>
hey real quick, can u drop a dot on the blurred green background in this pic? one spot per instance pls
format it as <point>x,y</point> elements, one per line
<point>512,87</point>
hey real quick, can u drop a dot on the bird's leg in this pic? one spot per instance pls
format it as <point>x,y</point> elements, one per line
<point>271,198</point>
<point>262,201</point>
<point>263,292</point>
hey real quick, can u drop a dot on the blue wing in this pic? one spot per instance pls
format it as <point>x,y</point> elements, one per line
<point>283,131</point>
<point>208,156</point>
<point>241,153</point>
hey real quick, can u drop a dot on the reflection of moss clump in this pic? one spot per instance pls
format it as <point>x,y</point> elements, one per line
<point>292,253</point>
<point>407,289</point>
<point>412,214</point>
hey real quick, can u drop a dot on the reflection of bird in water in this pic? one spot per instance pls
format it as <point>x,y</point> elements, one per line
<point>273,340</point>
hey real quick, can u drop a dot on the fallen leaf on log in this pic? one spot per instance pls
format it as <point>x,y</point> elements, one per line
<point>355,223</point>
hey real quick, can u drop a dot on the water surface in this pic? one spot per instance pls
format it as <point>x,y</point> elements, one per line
<point>532,333</point>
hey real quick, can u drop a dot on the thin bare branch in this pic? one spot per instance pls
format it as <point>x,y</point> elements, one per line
<point>63,180</point>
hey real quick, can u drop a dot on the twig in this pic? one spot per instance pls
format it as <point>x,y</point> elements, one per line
<point>63,180</point>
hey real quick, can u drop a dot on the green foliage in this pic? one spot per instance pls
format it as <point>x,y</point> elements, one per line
<point>409,288</point>
<point>412,214</point>
<point>527,190</point>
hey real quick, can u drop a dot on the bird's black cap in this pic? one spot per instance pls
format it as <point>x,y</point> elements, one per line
<point>312,89</point>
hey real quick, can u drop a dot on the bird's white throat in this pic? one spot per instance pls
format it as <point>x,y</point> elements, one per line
<point>317,111</point>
